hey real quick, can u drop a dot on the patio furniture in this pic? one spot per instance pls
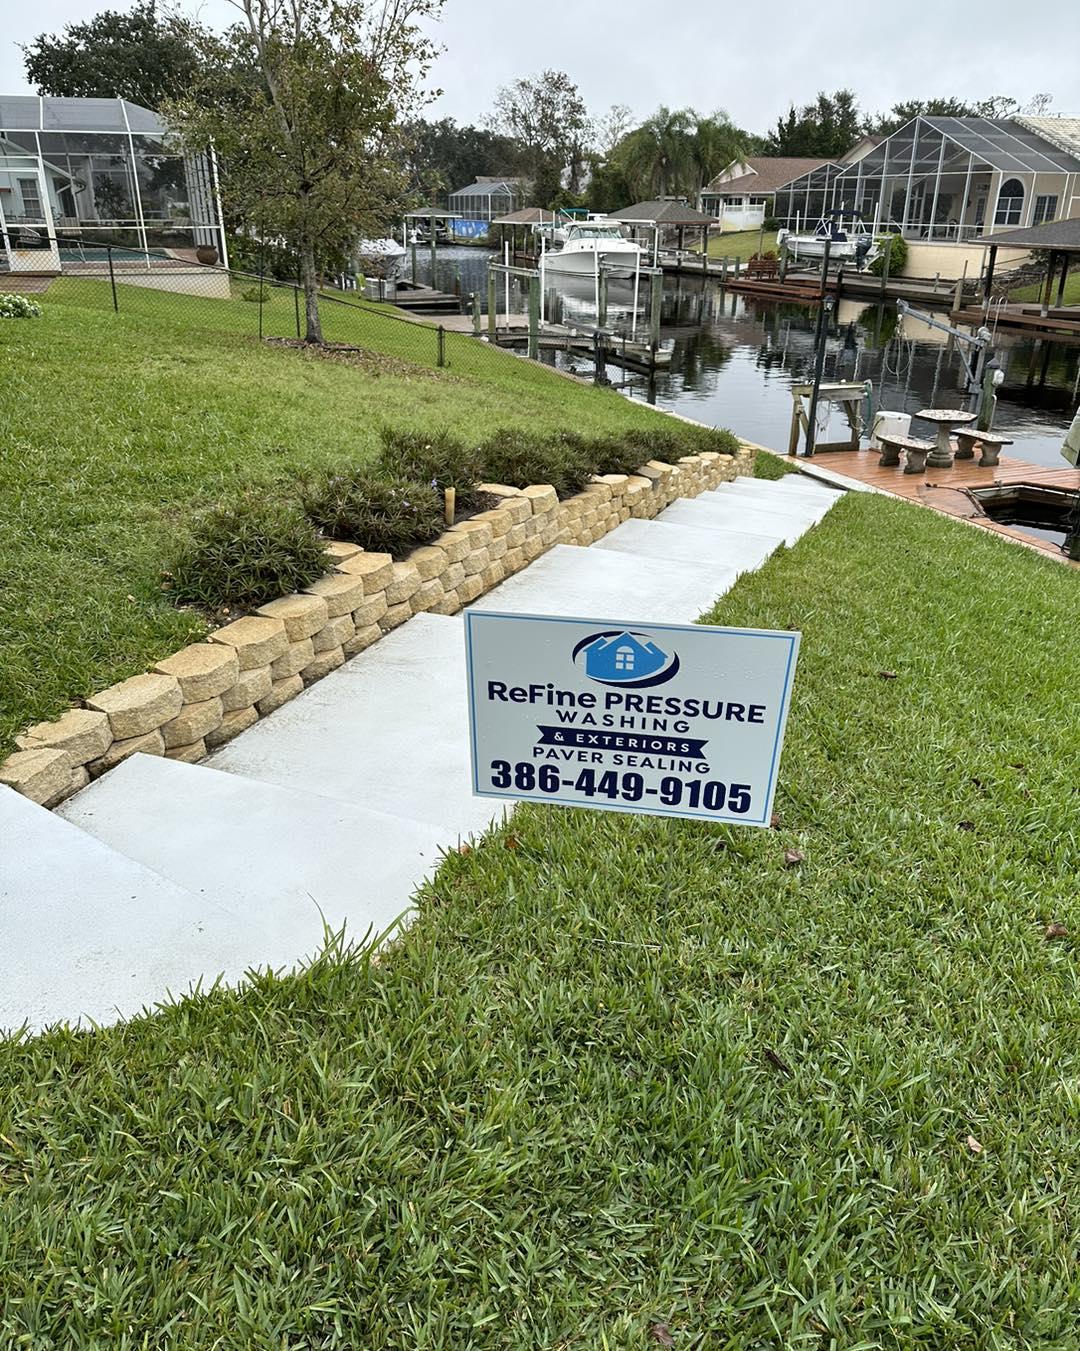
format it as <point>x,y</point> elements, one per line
<point>946,421</point>
<point>912,446</point>
<point>991,443</point>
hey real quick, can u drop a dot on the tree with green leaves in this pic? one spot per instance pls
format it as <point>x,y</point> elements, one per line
<point>657,157</point>
<point>142,55</point>
<point>824,129</point>
<point>309,138</point>
<point>546,115</point>
<point>715,142</point>
<point>442,156</point>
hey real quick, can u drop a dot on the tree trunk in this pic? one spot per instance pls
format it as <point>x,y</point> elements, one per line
<point>309,280</point>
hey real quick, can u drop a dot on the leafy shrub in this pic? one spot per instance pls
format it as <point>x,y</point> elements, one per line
<point>440,460</point>
<point>772,466</point>
<point>897,258</point>
<point>520,458</point>
<point>247,552</point>
<point>385,515</point>
<point>773,223</point>
<point>258,295</point>
<point>19,307</point>
<point>624,454</point>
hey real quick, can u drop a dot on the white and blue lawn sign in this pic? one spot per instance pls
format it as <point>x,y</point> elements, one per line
<point>673,719</point>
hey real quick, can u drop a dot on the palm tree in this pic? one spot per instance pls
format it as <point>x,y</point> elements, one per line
<point>714,144</point>
<point>657,158</point>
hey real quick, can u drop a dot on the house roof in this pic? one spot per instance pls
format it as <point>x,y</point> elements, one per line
<point>1004,144</point>
<point>32,112</point>
<point>1061,235</point>
<point>1064,132</point>
<point>529,215</point>
<point>770,173</point>
<point>490,187</point>
<point>662,211</point>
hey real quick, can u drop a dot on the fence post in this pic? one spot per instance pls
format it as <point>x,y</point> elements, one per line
<point>112,281</point>
<point>296,307</point>
<point>262,294</point>
<point>476,314</point>
<point>534,318</point>
<point>441,359</point>
<point>492,317</point>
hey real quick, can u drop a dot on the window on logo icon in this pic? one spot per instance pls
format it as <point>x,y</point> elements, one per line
<point>624,659</point>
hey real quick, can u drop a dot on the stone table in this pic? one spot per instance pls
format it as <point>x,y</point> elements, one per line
<point>946,421</point>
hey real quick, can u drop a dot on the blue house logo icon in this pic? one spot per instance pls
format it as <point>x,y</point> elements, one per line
<point>619,657</point>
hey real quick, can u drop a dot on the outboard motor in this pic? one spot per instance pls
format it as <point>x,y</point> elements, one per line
<point>862,247</point>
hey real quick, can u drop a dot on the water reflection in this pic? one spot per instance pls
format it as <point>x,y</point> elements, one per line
<point>734,359</point>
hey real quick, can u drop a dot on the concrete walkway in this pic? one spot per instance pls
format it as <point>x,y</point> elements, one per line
<point>330,813</point>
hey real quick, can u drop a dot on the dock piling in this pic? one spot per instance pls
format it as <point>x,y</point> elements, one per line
<point>492,318</point>
<point>656,294</point>
<point>534,318</point>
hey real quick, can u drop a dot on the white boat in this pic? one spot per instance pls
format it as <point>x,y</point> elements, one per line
<point>852,243</point>
<point>591,242</point>
<point>380,248</point>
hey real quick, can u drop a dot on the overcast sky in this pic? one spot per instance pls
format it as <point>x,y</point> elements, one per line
<point>753,60</point>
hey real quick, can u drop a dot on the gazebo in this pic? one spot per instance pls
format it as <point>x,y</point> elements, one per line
<point>666,213</point>
<point>1060,239</point>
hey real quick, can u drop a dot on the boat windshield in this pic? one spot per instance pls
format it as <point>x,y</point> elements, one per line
<point>595,232</point>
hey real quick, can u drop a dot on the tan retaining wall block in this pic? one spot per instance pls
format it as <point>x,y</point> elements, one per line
<point>81,732</point>
<point>429,594</point>
<point>395,615</point>
<point>429,562</point>
<point>254,684</point>
<point>39,775</point>
<point>333,634</point>
<point>139,705</point>
<point>339,549</point>
<point>204,670</point>
<point>232,725</point>
<point>342,591</point>
<point>371,611</point>
<point>405,583</point>
<point>303,616</point>
<point>151,743</point>
<point>363,639</point>
<point>281,691</point>
<point>542,497</point>
<point>324,663</point>
<point>191,755</point>
<point>291,662</point>
<point>192,723</point>
<point>377,570</point>
<point>256,641</point>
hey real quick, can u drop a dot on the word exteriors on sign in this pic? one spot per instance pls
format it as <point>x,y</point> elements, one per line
<point>676,719</point>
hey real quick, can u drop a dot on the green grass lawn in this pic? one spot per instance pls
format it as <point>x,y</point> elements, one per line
<point>631,1079</point>
<point>116,426</point>
<point>1036,291</point>
<point>742,244</point>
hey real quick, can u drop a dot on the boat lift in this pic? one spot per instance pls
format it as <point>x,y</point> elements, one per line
<point>975,362</point>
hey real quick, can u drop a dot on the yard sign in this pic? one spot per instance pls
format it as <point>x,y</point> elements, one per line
<point>672,719</point>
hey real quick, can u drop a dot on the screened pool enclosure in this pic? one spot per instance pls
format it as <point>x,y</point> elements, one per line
<point>79,173</point>
<point>946,179</point>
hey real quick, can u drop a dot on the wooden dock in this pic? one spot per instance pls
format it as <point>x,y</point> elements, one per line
<point>1057,325</point>
<point>944,489</point>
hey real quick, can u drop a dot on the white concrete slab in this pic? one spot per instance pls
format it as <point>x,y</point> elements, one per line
<point>797,484</point>
<point>604,584</point>
<point>812,498</point>
<point>727,553</point>
<point>716,514</point>
<point>792,505</point>
<point>89,935</point>
<point>280,860</point>
<point>387,731</point>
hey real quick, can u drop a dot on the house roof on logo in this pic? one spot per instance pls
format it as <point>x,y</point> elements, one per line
<point>622,640</point>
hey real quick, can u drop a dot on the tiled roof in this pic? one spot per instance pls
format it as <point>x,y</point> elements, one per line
<point>770,173</point>
<point>663,211</point>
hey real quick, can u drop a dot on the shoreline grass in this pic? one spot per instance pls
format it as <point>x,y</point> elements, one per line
<point>630,1078</point>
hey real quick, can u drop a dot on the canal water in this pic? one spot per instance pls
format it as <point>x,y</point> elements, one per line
<point>734,359</point>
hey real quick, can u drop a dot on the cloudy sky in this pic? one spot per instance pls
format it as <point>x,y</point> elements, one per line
<point>752,60</point>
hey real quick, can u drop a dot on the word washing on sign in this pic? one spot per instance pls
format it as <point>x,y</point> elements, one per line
<point>672,719</point>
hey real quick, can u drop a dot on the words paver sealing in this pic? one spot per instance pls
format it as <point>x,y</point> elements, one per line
<point>672,719</point>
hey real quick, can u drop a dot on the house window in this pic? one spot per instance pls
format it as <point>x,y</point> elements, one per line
<point>624,659</point>
<point>1045,210</point>
<point>31,198</point>
<point>1010,203</point>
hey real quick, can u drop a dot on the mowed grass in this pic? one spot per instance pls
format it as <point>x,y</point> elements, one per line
<point>741,244</point>
<point>1037,290</point>
<point>114,428</point>
<point>631,1082</point>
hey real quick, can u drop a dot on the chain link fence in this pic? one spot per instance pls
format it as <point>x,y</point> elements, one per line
<point>186,293</point>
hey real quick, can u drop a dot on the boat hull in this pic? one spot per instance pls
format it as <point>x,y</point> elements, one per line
<point>583,262</point>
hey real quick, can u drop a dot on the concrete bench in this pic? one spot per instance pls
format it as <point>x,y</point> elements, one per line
<point>915,451</point>
<point>991,443</point>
